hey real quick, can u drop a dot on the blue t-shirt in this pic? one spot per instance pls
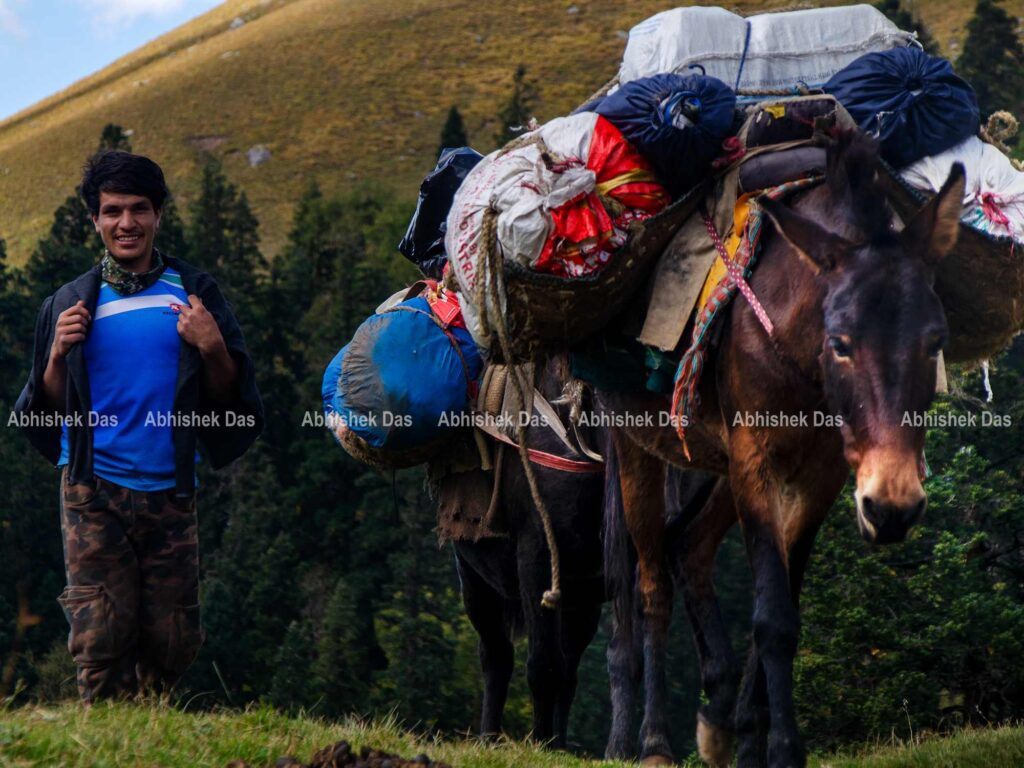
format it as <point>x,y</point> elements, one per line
<point>131,356</point>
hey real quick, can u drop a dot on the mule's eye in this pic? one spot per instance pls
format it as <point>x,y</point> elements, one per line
<point>840,346</point>
<point>936,345</point>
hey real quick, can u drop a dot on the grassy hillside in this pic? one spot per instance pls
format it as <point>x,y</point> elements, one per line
<point>126,735</point>
<point>344,92</point>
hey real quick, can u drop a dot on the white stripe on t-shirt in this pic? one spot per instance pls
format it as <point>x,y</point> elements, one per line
<point>130,303</point>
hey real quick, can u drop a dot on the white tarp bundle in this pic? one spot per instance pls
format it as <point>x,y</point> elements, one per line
<point>523,190</point>
<point>994,195</point>
<point>775,50</point>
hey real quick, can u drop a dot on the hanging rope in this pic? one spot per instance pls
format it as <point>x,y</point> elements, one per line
<point>488,293</point>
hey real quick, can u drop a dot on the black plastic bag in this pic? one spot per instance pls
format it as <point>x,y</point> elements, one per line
<point>423,243</point>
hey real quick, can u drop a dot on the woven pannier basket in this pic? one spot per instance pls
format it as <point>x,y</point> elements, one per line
<point>981,283</point>
<point>545,310</point>
<point>388,459</point>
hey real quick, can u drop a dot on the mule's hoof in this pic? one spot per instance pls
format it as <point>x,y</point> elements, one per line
<point>713,743</point>
<point>653,761</point>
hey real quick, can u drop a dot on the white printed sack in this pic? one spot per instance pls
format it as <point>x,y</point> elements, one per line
<point>776,51</point>
<point>519,185</point>
<point>994,195</point>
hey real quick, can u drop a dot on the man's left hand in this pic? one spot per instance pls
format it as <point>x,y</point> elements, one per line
<point>198,327</point>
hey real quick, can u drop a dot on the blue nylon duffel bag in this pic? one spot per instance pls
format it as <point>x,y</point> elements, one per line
<point>913,102</point>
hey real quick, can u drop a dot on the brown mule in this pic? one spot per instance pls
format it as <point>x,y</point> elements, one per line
<point>858,329</point>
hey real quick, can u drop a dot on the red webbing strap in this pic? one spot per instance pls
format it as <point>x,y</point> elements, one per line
<point>544,459</point>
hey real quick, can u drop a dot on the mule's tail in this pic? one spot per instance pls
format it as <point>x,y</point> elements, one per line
<point>620,560</point>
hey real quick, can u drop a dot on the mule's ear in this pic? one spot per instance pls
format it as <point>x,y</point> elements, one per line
<point>821,249</point>
<point>932,233</point>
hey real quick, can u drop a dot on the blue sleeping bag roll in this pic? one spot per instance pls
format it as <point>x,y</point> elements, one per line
<point>678,122</point>
<point>913,102</point>
<point>399,375</point>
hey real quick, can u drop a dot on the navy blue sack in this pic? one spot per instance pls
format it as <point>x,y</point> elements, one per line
<point>423,243</point>
<point>678,122</point>
<point>590,106</point>
<point>913,102</point>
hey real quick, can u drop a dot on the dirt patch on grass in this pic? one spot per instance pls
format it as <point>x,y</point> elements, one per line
<point>344,755</point>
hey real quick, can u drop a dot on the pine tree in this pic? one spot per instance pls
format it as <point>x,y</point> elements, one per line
<point>290,688</point>
<point>299,265</point>
<point>416,627</point>
<point>342,670</point>
<point>453,134</point>
<point>208,219</point>
<point>904,19</point>
<point>993,59</point>
<point>517,111</point>
<point>71,248</point>
<point>18,314</point>
<point>170,238</point>
<point>251,576</point>
<point>31,563</point>
<point>114,137</point>
<point>222,238</point>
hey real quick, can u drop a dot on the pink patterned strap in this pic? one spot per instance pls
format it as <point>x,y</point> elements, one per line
<point>990,206</point>
<point>736,274</point>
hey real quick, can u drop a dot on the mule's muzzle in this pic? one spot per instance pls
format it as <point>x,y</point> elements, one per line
<point>890,496</point>
<point>887,523</point>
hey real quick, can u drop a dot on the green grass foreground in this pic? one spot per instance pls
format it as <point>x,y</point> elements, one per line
<point>128,735</point>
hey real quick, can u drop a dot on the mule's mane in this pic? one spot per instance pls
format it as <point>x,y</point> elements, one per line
<point>852,177</point>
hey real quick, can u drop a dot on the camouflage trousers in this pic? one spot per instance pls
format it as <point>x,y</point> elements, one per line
<point>132,597</point>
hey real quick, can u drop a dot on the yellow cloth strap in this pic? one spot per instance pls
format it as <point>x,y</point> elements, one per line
<point>631,176</point>
<point>718,271</point>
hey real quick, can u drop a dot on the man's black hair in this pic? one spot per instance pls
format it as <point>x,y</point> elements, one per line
<point>123,173</point>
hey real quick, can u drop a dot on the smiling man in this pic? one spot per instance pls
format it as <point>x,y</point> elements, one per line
<point>136,363</point>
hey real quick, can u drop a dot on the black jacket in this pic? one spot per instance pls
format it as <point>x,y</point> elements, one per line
<point>222,443</point>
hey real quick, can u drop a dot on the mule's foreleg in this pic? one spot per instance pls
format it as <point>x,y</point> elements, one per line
<point>776,620</point>
<point>545,662</point>
<point>642,478</point>
<point>752,717</point>
<point>776,627</point>
<point>719,665</point>
<point>765,714</point>
<point>486,611</point>
<point>579,625</point>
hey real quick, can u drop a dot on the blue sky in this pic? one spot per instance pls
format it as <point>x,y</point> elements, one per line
<point>46,45</point>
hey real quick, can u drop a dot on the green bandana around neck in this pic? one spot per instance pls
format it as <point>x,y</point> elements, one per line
<point>126,282</point>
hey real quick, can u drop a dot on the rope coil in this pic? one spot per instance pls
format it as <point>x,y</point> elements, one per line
<point>1001,125</point>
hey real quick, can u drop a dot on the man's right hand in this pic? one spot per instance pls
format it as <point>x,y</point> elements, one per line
<point>72,326</point>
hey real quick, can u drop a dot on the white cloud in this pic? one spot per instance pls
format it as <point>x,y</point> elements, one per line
<point>127,11</point>
<point>10,24</point>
